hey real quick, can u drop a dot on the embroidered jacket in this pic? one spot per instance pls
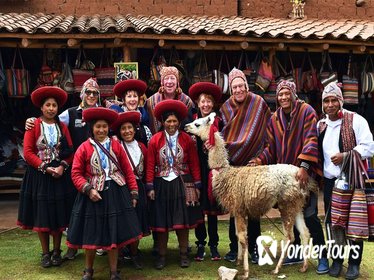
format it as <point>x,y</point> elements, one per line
<point>36,151</point>
<point>187,160</point>
<point>87,170</point>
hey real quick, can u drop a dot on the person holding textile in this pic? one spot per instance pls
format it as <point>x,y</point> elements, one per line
<point>339,132</point>
<point>245,116</point>
<point>293,124</point>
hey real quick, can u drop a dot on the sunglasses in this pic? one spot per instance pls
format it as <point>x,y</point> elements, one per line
<point>92,92</point>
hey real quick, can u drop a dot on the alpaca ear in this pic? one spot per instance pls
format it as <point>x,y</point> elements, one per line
<point>211,117</point>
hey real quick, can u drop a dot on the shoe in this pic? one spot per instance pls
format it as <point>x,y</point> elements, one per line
<point>101,252</point>
<point>214,255</point>
<point>335,269</point>
<point>294,260</point>
<point>136,261</point>
<point>160,262</point>
<point>46,260</point>
<point>200,254</point>
<point>231,256</point>
<point>254,256</point>
<point>56,257</point>
<point>87,274</point>
<point>114,275</point>
<point>184,260</point>
<point>323,266</point>
<point>125,253</point>
<point>70,254</point>
<point>353,271</point>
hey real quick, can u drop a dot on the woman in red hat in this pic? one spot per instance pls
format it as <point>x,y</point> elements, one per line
<point>46,197</point>
<point>130,92</point>
<point>206,95</point>
<point>125,129</point>
<point>172,163</point>
<point>103,215</point>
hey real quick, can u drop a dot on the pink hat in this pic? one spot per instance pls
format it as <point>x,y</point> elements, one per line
<point>236,73</point>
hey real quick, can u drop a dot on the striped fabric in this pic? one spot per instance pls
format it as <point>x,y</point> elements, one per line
<point>340,204</point>
<point>370,202</point>
<point>358,217</point>
<point>300,134</point>
<point>156,98</point>
<point>244,127</point>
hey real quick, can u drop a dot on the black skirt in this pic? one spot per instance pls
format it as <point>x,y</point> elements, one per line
<point>106,224</point>
<point>169,210</point>
<point>45,202</point>
<point>142,210</point>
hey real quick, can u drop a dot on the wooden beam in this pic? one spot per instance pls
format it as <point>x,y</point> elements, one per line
<point>25,42</point>
<point>73,42</point>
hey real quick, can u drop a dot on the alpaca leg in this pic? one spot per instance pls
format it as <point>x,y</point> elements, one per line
<point>304,235</point>
<point>288,221</point>
<point>241,233</point>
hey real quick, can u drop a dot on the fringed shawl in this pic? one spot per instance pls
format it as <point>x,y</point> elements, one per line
<point>152,101</point>
<point>294,141</point>
<point>244,127</point>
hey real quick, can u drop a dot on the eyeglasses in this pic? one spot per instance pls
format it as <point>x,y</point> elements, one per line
<point>94,93</point>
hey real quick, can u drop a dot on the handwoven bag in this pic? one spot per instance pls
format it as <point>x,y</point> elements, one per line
<point>158,61</point>
<point>265,74</point>
<point>249,69</point>
<point>201,72</point>
<point>45,77</point>
<point>328,76</point>
<point>310,77</point>
<point>17,78</point>
<point>220,78</point>
<point>82,70</point>
<point>370,206</point>
<point>358,228</point>
<point>367,77</point>
<point>105,77</point>
<point>350,85</point>
<point>192,199</point>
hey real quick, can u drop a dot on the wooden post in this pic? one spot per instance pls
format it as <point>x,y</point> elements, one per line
<point>126,54</point>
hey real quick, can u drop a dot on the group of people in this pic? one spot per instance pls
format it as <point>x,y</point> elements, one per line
<point>113,175</point>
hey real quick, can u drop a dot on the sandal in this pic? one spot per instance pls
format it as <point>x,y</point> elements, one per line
<point>46,260</point>
<point>184,260</point>
<point>114,275</point>
<point>88,274</point>
<point>56,257</point>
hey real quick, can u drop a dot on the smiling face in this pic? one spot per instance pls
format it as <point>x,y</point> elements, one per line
<point>170,84</point>
<point>171,124</point>
<point>49,109</point>
<point>205,104</point>
<point>100,130</point>
<point>131,100</point>
<point>91,97</point>
<point>238,90</point>
<point>127,132</point>
<point>284,98</point>
<point>331,107</point>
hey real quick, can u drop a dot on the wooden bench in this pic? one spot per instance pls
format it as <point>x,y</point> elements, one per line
<point>12,182</point>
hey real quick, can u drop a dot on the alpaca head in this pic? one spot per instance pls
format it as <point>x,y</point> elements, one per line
<point>201,127</point>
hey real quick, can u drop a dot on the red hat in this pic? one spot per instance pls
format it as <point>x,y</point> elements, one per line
<point>100,113</point>
<point>171,105</point>
<point>40,94</point>
<point>122,87</point>
<point>129,116</point>
<point>207,88</point>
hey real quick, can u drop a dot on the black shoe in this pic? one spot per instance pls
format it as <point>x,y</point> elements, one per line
<point>184,260</point>
<point>46,260</point>
<point>335,269</point>
<point>136,261</point>
<point>56,257</point>
<point>291,261</point>
<point>87,274</point>
<point>160,263</point>
<point>200,253</point>
<point>125,253</point>
<point>70,254</point>
<point>353,272</point>
<point>231,256</point>
<point>214,255</point>
<point>114,275</point>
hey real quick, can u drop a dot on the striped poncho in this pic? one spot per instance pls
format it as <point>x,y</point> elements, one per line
<point>154,124</point>
<point>293,141</point>
<point>244,126</point>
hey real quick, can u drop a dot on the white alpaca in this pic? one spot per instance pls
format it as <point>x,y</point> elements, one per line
<point>253,191</point>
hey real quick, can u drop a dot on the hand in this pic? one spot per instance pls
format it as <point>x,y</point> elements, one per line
<point>198,193</point>
<point>337,159</point>
<point>29,123</point>
<point>58,171</point>
<point>50,171</point>
<point>134,202</point>
<point>207,145</point>
<point>94,195</point>
<point>303,177</point>
<point>151,195</point>
<point>254,162</point>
